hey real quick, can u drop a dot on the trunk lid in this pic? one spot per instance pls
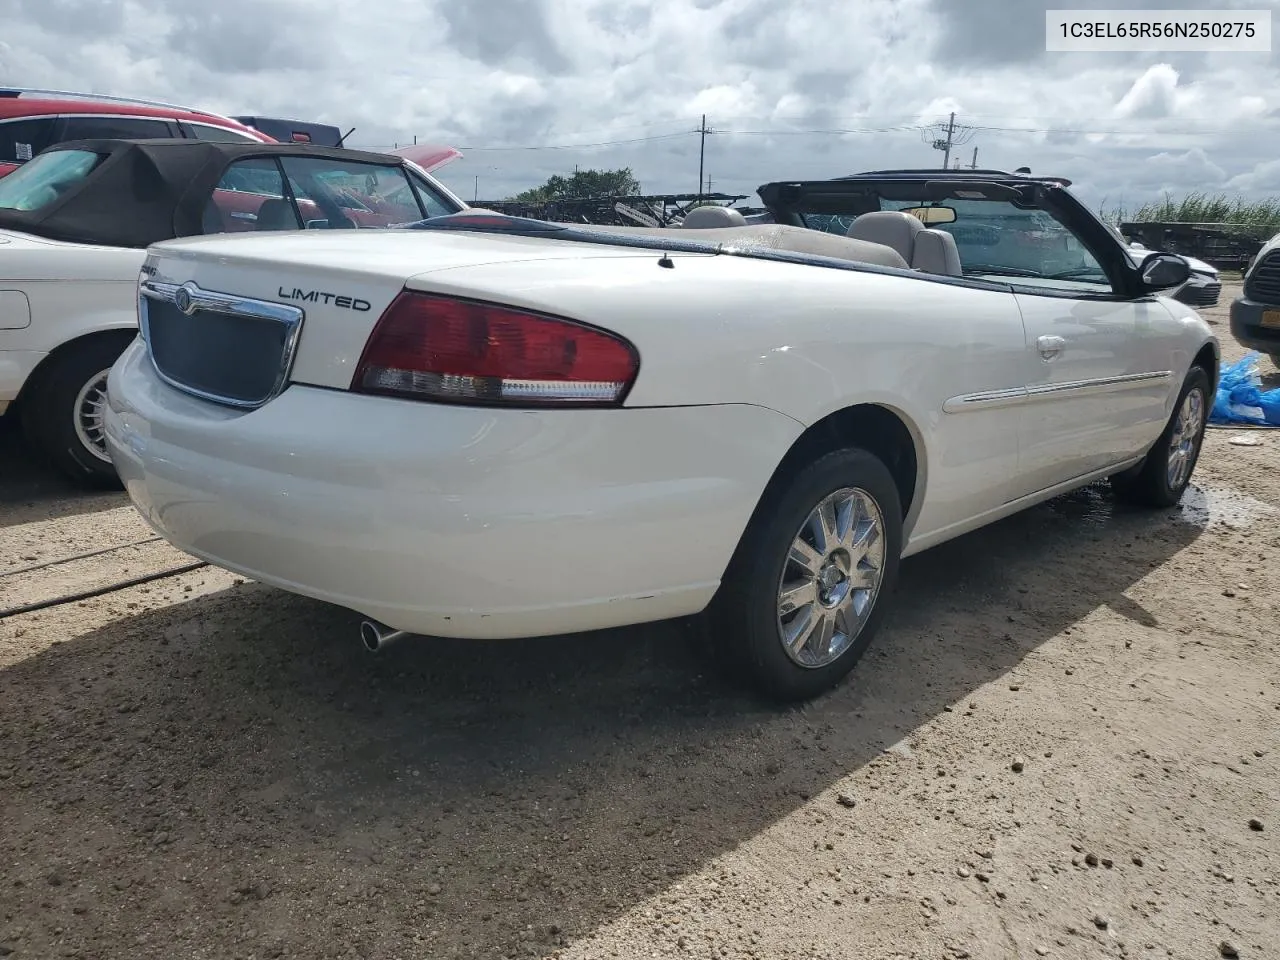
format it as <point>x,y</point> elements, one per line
<point>302,304</point>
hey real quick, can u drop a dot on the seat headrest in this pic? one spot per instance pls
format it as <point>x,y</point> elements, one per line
<point>712,216</point>
<point>893,228</point>
<point>936,252</point>
<point>276,215</point>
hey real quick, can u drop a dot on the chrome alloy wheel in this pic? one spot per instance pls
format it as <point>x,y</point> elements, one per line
<point>89,410</point>
<point>831,577</point>
<point>1186,434</point>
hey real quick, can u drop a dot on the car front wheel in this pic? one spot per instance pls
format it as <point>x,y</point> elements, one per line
<point>63,414</point>
<point>1160,479</point>
<point>805,592</point>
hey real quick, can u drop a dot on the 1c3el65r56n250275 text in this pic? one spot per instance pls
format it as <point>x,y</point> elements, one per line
<point>1157,30</point>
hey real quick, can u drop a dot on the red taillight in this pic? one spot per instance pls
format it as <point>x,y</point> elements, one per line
<point>432,347</point>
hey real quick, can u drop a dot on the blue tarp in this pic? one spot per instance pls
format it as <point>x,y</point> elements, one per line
<point>1241,399</point>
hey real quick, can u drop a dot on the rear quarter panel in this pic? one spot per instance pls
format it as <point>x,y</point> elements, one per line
<point>73,290</point>
<point>803,341</point>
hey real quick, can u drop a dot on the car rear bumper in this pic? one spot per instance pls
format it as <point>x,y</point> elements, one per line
<point>1247,325</point>
<point>449,520</point>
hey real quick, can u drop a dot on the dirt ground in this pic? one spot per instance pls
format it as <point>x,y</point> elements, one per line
<point>1063,744</point>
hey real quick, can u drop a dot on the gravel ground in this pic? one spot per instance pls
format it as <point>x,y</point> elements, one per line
<point>1063,744</point>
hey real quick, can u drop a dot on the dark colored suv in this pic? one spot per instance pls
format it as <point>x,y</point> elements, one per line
<point>1255,316</point>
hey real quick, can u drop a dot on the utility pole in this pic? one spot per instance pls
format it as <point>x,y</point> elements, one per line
<point>974,165</point>
<point>954,136</point>
<point>702,150</point>
<point>476,196</point>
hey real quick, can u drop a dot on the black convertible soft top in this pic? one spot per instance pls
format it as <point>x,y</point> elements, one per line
<point>145,191</point>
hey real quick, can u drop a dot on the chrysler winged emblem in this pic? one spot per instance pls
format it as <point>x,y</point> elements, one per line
<point>183,300</point>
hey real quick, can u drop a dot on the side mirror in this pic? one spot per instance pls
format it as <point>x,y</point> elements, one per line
<point>1161,271</point>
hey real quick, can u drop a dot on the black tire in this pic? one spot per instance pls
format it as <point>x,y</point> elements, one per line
<point>1148,484</point>
<point>49,409</point>
<point>745,622</point>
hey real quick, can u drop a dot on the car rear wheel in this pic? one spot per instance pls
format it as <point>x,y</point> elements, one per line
<point>805,592</point>
<point>1160,479</point>
<point>63,414</point>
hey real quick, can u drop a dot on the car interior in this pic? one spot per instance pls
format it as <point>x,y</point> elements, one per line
<point>920,247</point>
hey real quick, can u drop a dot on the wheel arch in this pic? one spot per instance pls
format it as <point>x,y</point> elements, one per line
<point>879,428</point>
<point>41,370</point>
<point>1208,357</point>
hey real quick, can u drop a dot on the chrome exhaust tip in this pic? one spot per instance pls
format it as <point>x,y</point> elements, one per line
<point>375,636</point>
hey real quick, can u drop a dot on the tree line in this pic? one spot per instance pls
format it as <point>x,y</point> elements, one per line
<point>583,185</point>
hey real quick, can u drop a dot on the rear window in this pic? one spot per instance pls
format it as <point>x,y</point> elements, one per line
<point>111,128</point>
<point>20,140</point>
<point>37,184</point>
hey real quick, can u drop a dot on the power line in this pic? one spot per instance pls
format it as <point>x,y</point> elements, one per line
<point>579,146</point>
<point>939,129</point>
<point>954,137</point>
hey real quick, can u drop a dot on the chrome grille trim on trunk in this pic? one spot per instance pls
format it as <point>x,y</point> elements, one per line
<point>217,346</point>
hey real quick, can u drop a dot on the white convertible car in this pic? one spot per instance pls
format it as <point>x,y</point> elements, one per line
<point>75,223</point>
<point>489,427</point>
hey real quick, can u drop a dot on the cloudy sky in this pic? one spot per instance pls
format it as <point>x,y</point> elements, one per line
<point>802,88</point>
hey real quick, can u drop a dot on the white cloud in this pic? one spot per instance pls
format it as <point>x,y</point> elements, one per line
<point>1155,94</point>
<point>519,74</point>
<point>1263,178</point>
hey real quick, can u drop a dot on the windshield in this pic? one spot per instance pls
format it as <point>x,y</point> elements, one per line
<point>995,239</point>
<point>41,181</point>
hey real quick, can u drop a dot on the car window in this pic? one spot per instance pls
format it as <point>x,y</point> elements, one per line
<point>327,193</point>
<point>203,131</point>
<point>338,194</point>
<point>433,201</point>
<point>22,139</point>
<point>999,241</point>
<point>250,196</point>
<point>35,185</point>
<point>123,128</point>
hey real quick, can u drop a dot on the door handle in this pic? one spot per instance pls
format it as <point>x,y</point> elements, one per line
<point>1050,347</point>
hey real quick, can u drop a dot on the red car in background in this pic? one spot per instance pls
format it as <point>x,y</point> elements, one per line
<point>31,120</point>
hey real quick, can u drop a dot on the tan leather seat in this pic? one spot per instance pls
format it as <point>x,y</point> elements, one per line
<point>930,251</point>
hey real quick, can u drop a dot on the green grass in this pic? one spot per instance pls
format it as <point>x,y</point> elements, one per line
<point>1260,217</point>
